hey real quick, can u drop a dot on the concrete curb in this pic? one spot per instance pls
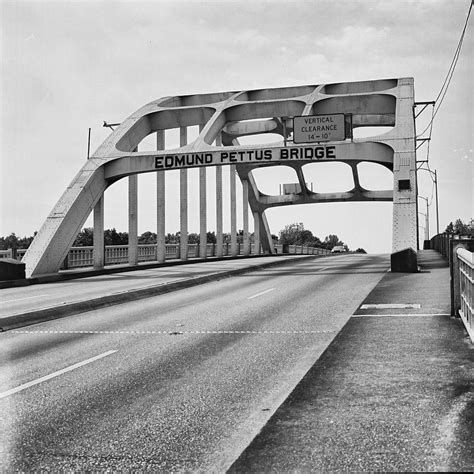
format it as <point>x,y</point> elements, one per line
<point>70,309</point>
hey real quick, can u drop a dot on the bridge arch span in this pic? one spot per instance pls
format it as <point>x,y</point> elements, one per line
<point>222,119</point>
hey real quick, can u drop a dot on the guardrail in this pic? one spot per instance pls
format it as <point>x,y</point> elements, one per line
<point>79,257</point>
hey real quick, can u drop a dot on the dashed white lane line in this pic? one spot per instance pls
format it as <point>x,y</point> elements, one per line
<point>176,332</point>
<point>261,293</point>
<point>391,306</point>
<point>22,299</point>
<point>54,374</point>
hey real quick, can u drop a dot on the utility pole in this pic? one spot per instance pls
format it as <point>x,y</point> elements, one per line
<point>89,144</point>
<point>427,219</point>
<point>437,207</point>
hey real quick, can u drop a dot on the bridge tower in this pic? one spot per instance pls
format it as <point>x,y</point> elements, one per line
<point>222,119</point>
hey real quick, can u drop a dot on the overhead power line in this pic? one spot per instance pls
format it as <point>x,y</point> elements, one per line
<point>449,75</point>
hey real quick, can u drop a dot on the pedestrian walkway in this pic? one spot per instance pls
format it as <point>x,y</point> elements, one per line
<point>393,391</point>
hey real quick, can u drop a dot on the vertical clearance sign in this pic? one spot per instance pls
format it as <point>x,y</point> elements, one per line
<point>318,128</point>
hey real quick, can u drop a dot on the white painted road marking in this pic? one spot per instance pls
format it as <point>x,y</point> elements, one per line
<point>54,374</point>
<point>261,293</point>
<point>391,306</point>
<point>400,315</point>
<point>169,331</point>
<point>21,299</point>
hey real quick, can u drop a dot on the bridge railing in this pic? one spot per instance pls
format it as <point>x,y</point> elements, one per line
<point>465,274</point>
<point>459,252</point>
<point>118,254</point>
<point>17,254</point>
<point>79,257</point>
<point>6,253</point>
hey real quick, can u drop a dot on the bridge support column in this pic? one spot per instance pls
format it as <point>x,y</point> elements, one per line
<point>405,205</point>
<point>133,219</point>
<point>99,249</point>
<point>256,233</point>
<point>219,233</point>
<point>245,215</point>
<point>160,203</point>
<point>183,193</point>
<point>233,212</point>
<point>405,212</point>
<point>202,209</point>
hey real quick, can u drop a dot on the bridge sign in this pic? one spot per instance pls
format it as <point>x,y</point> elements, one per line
<point>319,128</point>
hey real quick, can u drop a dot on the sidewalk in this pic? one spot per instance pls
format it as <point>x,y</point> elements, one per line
<point>393,392</point>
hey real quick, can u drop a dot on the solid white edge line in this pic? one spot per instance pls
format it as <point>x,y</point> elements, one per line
<point>391,306</point>
<point>260,294</point>
<point>55,374</point>
<point>406,315</point>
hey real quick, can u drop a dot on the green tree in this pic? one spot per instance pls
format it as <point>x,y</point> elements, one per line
<point>112,237</point>
<point>460,228</point>
<point>296,234</point>
<point>84,238</point>
<point>450,228</point>
<point>147,238</point>
<point>193,238</point>
<point>10,242</point>
<point>331,240</point>
<point>211,238</point>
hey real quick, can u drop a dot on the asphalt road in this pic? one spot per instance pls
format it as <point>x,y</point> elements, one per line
<point>178,382</point>
<point>18,300</point>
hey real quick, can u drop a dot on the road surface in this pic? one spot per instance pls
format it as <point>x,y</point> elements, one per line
<point>178,382</point>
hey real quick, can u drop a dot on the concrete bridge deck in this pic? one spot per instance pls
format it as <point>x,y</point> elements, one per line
<point>75,291</point>
<point>393,392</point>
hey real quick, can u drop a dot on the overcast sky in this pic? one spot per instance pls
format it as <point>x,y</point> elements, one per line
<point>67,66</point>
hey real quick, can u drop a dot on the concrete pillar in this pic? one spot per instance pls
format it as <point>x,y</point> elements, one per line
<point>133,219</point>
<point>160,203</point>
<point>405,202</point>
<point>405,209</point>
<point>245,215</point>
<point>219,233</point>
<point>202,209</point>
<point>233,213</point>
<point>183,194</point>
<point>256,232</point>
<point>99,249</point>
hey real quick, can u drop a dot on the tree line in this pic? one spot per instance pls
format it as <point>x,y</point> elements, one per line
<point>292,234</point>
<point>461,228</point>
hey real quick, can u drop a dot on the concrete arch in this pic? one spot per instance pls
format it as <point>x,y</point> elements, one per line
<point>386,102</point>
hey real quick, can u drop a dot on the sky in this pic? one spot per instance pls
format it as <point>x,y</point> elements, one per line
<point>66,66</point>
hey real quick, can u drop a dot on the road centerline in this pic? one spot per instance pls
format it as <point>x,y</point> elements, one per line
<point>261,293</point>
<point>55,374</point>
